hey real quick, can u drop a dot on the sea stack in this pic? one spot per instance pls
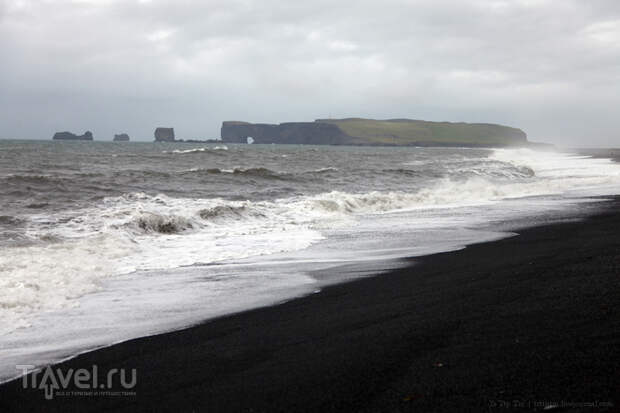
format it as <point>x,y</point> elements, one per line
<point>164,135</point>
<point>88,136</point>
<point>123,137</point>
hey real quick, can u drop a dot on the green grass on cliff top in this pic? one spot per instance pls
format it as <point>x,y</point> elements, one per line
<point>404,132</point>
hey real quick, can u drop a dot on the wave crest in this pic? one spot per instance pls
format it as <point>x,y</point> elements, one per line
<point>197,150</point>
<point>163,224</point>
<point>259,172</point>
<point>222,211</point>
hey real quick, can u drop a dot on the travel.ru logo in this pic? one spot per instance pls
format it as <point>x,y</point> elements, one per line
<point>85,381</point>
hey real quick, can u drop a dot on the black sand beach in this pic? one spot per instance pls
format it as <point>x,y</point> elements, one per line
<point>518,324</point>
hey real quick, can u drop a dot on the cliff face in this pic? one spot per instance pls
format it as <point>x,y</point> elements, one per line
<point>392,132</point>
<point>88,136</point>
<point>123,137</point>
<point>307,133</point>
<point>164,135</point>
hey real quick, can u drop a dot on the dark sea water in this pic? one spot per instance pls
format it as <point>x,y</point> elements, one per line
<point>103,241</point>
<point>60,175</point>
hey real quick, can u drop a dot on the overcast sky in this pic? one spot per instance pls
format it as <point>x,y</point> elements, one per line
<point>551,68</point>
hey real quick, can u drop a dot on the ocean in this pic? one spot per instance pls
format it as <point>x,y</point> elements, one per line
<point>102,242</point>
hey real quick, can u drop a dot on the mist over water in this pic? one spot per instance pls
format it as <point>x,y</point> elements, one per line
<point>102,236</point>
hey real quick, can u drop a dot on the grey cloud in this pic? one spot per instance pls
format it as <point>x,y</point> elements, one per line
<point>549,67</point>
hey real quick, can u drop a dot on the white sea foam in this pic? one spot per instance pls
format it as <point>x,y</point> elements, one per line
<point>194,150</point>
<point>137,231</point>
<point>327,169</point>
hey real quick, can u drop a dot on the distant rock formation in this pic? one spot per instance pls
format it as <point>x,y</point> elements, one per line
<point>309,133</point>
<point>88,136</point>
<point>123,137</point>
<point>164,135</point>
<point>391,132</point>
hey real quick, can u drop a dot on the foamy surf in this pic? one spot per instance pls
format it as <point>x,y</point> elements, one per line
<point>196,150</point>
<point>68,258</point>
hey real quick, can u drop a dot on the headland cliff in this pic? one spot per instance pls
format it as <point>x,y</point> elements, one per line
<point>371,132</point>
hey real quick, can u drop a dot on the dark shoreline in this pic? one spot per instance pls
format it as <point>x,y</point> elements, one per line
<point>514,323</point>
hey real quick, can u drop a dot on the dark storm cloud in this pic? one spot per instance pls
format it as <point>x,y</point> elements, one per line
<point>549,67</point>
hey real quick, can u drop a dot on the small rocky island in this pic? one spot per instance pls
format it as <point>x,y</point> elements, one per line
<point>164,135</point>
<point>123,137</point>
<point>167,135</point>
<point>371,132</point>
<point>68,136</point>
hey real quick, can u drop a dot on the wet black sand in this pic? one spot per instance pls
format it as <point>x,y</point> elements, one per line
<point>511,325</point>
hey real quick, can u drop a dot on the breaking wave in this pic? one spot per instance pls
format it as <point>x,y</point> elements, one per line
<point>255,172</point>
<point>139,231</point>
<point>197,150</point>
<point>223,213</point>
<point>163,224</point>
<point>260,172</point>
<point>324,170</point>
<point>263,173</point>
